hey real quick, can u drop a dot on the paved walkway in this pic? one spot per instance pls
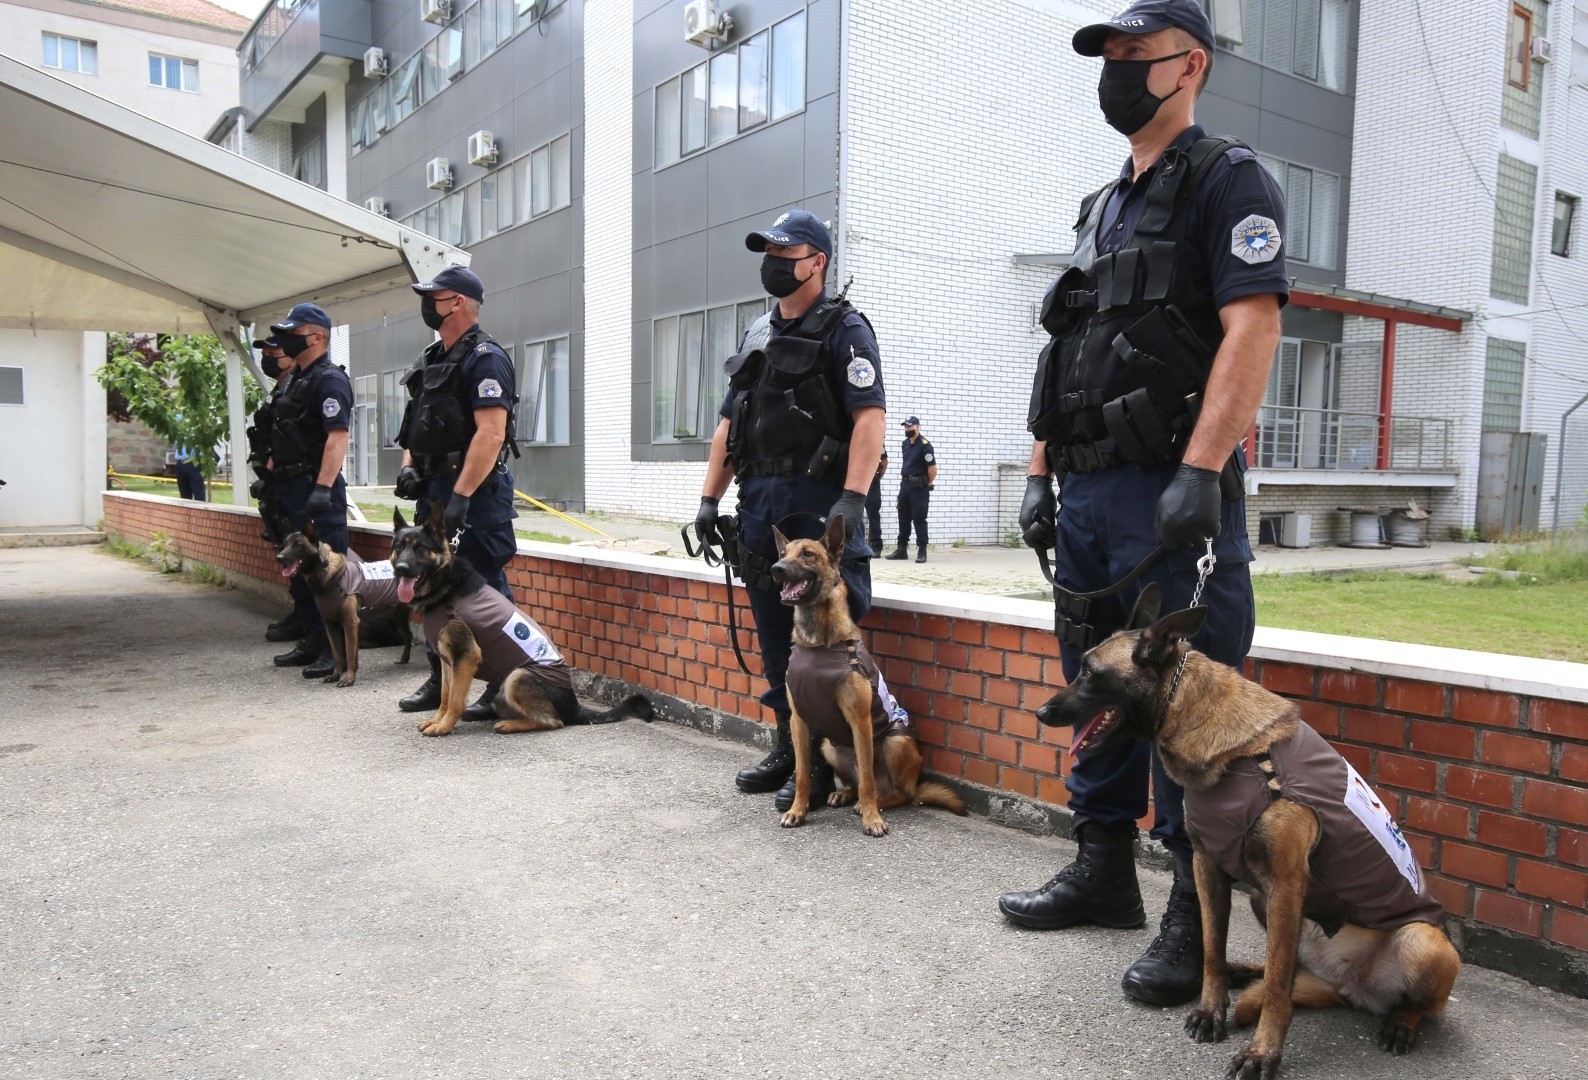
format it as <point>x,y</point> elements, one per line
<point>210,868</point>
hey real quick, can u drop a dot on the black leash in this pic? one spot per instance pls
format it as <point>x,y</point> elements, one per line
<point>1097,594</point>
<point>715,547</point>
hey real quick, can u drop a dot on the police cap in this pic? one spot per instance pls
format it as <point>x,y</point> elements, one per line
<point>303,315</point>
<point>1146,17</point>
<point>267,343</point>
<point>459,279</point>
<point>911,421</point>
<point>791,229</point>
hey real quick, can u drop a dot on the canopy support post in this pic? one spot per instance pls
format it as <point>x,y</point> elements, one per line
<point>238,356</point>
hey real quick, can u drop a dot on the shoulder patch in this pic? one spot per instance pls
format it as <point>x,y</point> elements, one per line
<point>861,372</point>
<point>330,406</point>
<point>1237,154</point>
<point>1256,239</point>
<point>488,388</point>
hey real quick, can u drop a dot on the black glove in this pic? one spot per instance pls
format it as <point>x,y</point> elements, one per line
<point>1188,509</point>
<point>409,484</point>
<point>853,507</point>
<point>257,489</point>
<point>706,519</point>
<point>1039,512</point>
<point>319,504</point>
<point>457,512</point>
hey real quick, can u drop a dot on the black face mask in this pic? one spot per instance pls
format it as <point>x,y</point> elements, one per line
<point>1127,104</point>
<point>293,344</point>
<point>428,312</point>
<point>777,275</point>
<point>271,366</point>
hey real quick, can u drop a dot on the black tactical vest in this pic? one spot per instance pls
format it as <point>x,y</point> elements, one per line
<point>1132,338</point>
<point>785,414</point>
<point>259,430</point>
<point>439,419</point>
<point>297,440</point>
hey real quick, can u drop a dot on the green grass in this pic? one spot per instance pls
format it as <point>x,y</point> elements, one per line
<point>543,537</point>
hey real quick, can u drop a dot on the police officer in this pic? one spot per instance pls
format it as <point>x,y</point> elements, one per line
<point>455,439</point>
<point>801,431</point>
<point>1163,332</point>
<point>917,474</point>
<point>272,361</point>
<point>308,443</point>
<point>874,508</point>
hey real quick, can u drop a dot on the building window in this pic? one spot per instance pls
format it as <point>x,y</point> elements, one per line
<point>1515,200</point>
<point>736,91</point>
<point>540,182</point>
<point>308,164</point>
<point>543,393</point>
<point>11,387</point>
<point>1522,95</point>
<point>71,54</point>
<point>393,401</point>
<point>550,177</point>
<point>1312,213</point>
<point>173,73</point>
<point>1565,214</point>
<point>1518,64</point>
<point>1305,38</point>
<point>687,376</point>
<point>1504,368</point>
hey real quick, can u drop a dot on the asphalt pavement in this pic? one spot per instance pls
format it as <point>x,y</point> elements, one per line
<point>212,868</point>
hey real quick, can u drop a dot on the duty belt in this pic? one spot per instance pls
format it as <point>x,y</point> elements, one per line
<point>291,472</point>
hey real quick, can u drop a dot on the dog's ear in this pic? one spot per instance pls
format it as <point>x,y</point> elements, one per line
<point>437,521</point>
<point>311,532</point>
<point>779,541</point>
<point>398,522</point>
<point>1158,644</point>
<point>833,538</point>
<point>1145,613</point>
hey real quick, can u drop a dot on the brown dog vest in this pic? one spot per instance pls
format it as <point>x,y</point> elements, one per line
<point>1363,871</point>
<point>813,678</point>
<point>372,582</point>
<point>508,638</point>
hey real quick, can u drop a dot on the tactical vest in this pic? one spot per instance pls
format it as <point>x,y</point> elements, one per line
<point>508,639</point>
<point>374,583</point>
<point>813,678</point>
<point>297,439</point>
<point>785,414</point>
<point>1132,336</point>
<point>438,423</point>
<point>259,431</point>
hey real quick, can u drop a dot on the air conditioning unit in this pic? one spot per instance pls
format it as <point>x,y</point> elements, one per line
<point>377,205</point>
<point>529,9</point>
<point>375,62</point>
<point>482,148</point>
<point>438,174</point>
<point>435,11</point>
<point>704,25</point>
<point>1541,50</point>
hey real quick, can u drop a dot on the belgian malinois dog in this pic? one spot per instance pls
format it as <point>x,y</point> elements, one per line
<point>1270,803</point>
<point>835,689</point>
<point>476,631</point>
<point>357,600</point>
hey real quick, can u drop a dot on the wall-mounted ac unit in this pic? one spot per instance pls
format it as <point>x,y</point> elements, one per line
<point>435,11</point>
<point>704,25</point>
<point>482,148</point>
<point>529,9</point>
<point>377,205</point>
<point>438,174</point>
<point>374,62</point>
<point>1540,49</point>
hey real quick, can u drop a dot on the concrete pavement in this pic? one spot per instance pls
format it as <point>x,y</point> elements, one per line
<point>211,868</point>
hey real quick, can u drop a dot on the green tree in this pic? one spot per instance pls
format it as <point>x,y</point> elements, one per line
<point>176,385</point>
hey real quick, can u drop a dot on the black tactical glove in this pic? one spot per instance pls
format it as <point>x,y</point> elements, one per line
<point>1188,509</point>
<point>257,489</point>
<point>319,504</point>
<point>409,485</point>
<point>1039,512</point>
<point>706,520</point>
<point>457,512</point>
<point>853,507</point>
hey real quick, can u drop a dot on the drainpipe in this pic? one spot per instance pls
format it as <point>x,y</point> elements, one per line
<point>1560,461</point>
<point>1386,396</point>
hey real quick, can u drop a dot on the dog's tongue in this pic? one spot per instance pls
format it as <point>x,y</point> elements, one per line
<point>1086,732</point>
<point>289,569</point>
<point>405,589</point>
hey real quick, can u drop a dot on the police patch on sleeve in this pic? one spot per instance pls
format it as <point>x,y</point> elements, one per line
<point>330,407</point>
<point>930,459</point>
<point>861,372</point>
<point>489,388</point>
<point>1255,240</point>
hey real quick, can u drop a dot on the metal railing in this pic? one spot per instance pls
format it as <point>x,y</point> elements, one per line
<point>267,30</point>
<point>1289,437</point>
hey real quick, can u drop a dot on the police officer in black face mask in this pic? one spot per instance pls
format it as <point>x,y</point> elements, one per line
<point>308,443</point>
<point>1163,333</point>
<point>801,433</point>
<point>273,363</point>
<point>455,440</point>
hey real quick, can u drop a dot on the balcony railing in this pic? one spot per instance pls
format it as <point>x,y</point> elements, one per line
<point>1288,437</point>
<point>266,31</point>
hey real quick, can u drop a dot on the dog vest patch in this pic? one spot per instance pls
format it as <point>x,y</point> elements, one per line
<point>378,571</point>
<point>1371,812</point>
<point>524,633</point>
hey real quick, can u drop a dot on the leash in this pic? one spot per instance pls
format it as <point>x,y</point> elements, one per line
<point>1204,569</point>
<point>714,547</point>
<point>1123,583</point>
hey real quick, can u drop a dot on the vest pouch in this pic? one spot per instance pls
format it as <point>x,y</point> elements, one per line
<point>439,424</point>
<point>287,445</point>
<point>1067,301</point>
<point>744,368</point>
<point>738,430</point>
<point>1118,279</point>
<point>1159,352</point>
<point>791,360</point>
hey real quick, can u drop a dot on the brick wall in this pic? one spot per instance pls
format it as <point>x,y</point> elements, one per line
<point>132,448</point>
<point>1491,786</point>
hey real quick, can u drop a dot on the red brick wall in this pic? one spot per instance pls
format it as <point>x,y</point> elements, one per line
<point>1492,789</point>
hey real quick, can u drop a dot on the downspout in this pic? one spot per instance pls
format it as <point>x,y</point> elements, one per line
<point>1386,397</point>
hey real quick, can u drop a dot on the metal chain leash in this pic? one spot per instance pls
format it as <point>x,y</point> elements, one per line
<point>1204,570</point>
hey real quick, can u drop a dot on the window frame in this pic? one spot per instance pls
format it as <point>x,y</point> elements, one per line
<point>1254,43</point>
<point>1559,239</point>
<point>708,379</point>
<point>78,42</point>
<point>513,180</point>
<point>183,64</point>
<point>1521,49</point>
<point>529,404</point>
<point>393,397</point>
<point>1267,161</point>
<point>22,387</point>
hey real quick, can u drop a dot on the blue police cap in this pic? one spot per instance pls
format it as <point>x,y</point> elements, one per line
<point>911,421</point>
<point>792,228</point>
<point>267,343</point>
<point>458,279</point>
<point>303,315</point>
<point>1146,17</point>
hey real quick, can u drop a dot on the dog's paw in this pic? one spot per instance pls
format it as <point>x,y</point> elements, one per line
<point>345,681</point>
<point>842,797</point>
<point>873,825</point>
<point>793,819</point>
<point>1251,1065</point>
<point>1396,1036</point>
<point>1205,1025</point>
<point>331,678</point>
<point>435,727</point>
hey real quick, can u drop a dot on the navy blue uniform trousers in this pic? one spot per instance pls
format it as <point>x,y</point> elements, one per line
<point>1105,529</point>
<point>763,502</point>
<point>489,543</point>
<point>913,504</point>
<point>874,515</point>
<point>293,498</point>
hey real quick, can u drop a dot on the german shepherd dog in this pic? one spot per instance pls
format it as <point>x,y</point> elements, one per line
<point>881,770</point>
<point>443,588</point>
<point>349,619</point>
<point>1218,729</point>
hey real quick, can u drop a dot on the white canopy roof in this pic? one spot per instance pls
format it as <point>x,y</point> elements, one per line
<point>112,221</point>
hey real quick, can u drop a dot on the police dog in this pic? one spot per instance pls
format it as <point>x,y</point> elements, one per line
<point>356,603</point>
<point>1219,736</point>
<point>879,763</point>
<point>478,632</point>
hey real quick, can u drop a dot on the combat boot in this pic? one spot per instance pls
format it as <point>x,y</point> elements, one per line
<point>485,707</point>
<point>821,786</point>
<point>920,553</point>
<point>776,767</point>
<point>898,553</point>
<point>1098,887</point>
<point>305,652</point>
<point>428,697</point>
<point>1170,971</point>
<point>288,629</point>
<point>324,663</point>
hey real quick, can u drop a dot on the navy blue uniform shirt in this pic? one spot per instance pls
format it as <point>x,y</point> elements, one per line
<point>487,375</point>
<point>333,393</point>
<point>857,364</point>
<point>916,457</point>
<point>1237,201</point>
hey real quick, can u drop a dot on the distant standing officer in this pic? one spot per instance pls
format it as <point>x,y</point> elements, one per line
<point>917,474</point>
<point>874,508</point>
<point>307,446</point>
<point>455,442</point>
<point>801,430</point>
<point>1163,333</point>
<point>274,365</point>
<point>189,477</point>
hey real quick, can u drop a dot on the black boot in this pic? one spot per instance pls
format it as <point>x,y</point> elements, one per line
<point>485,708</point>
<point>1098,887</point>
<point>428,697</point>
<point>775,768</point>
<point>821,786</point>
<point>303,653</point>
<point>920,553</point>
<point>898,553</point>
<point>1170,971</point>
<point>324,663</point>
<point>288,629</point>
